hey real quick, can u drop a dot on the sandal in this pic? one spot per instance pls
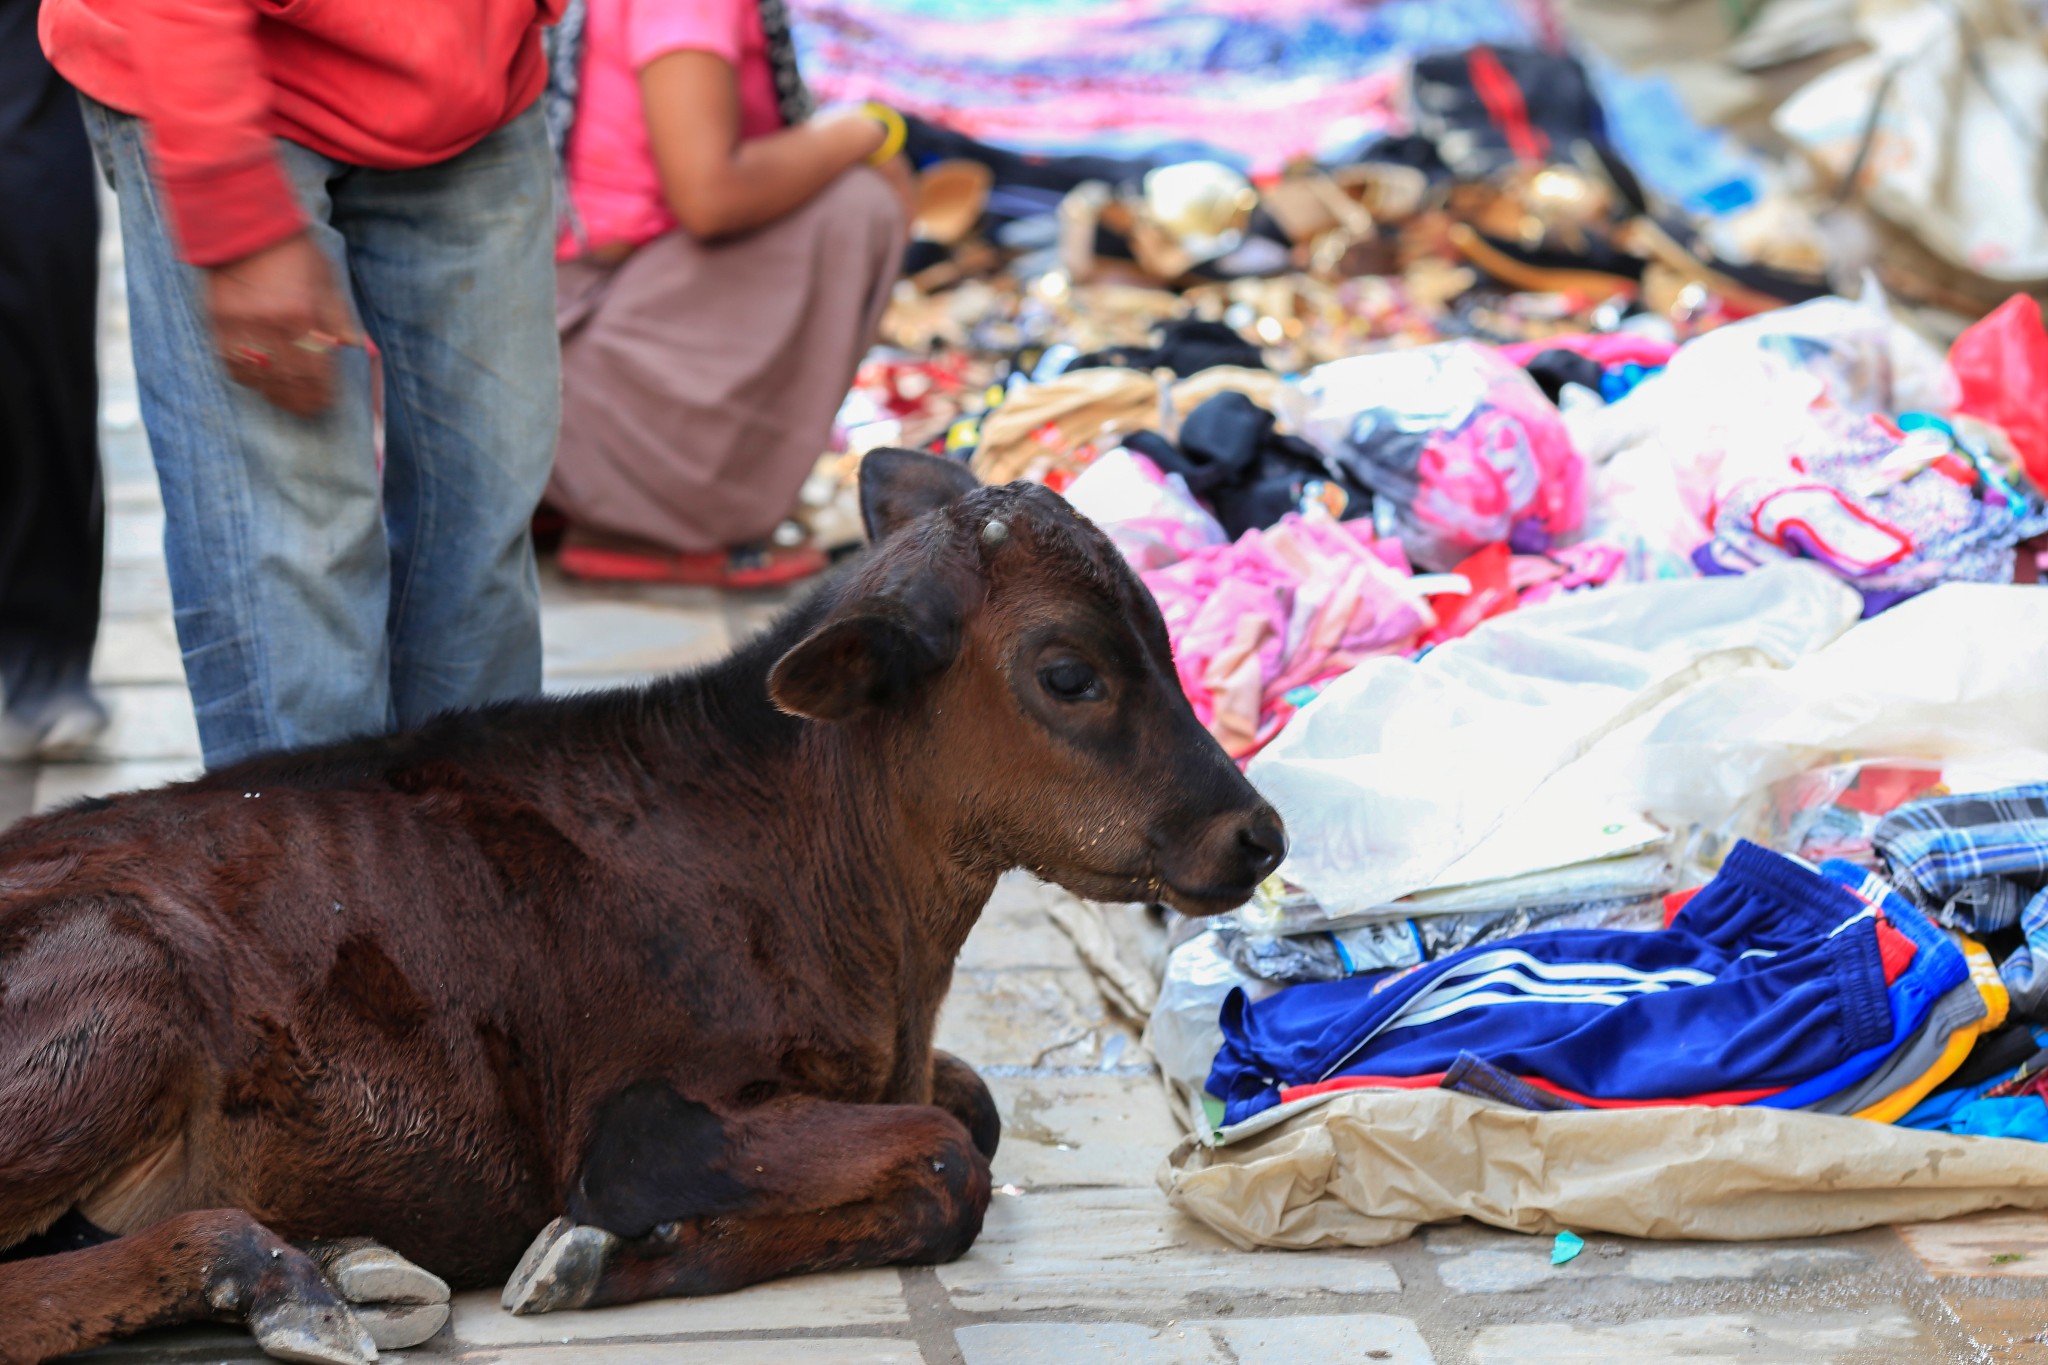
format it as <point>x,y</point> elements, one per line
<point>1547,229</point>
<point>1782,266</point>
<point>760,565</point>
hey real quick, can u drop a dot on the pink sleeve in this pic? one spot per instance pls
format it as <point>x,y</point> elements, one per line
<point>657,27</point>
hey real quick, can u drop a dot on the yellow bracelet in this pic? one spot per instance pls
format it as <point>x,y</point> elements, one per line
<point>894,131</point>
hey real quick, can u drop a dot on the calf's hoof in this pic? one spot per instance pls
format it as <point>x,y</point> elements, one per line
<point>395,1326</point>
<point>303,1328</point>
<point>398,1303</point>
<point>289,1305</point>
<point>560,1270</point>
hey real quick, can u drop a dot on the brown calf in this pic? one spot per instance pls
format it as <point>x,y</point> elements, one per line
<point>642,983</point>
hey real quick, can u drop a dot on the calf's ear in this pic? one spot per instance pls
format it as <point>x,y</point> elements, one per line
<point>876,650</point>
<point>899,486</point>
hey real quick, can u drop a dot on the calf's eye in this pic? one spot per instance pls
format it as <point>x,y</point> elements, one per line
<point>1071,680</point>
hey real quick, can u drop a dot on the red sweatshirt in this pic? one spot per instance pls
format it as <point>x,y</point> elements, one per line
<point>384,83</point>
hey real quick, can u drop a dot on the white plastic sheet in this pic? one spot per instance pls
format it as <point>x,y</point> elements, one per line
<point>1402,769</point>
<point>1513,750</point>
<point>1957,673</point>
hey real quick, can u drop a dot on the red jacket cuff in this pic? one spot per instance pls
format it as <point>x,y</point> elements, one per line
<point>224,215</point>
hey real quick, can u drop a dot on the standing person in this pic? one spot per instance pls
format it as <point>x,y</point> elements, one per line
<point>293,178</point>
<point>726,262</point>
<point>50,512</point>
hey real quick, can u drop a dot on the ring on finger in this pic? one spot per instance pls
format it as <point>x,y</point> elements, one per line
<point>318,343</point>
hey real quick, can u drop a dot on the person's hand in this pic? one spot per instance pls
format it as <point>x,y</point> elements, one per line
<point>896,170</point>
<point>277,318</point>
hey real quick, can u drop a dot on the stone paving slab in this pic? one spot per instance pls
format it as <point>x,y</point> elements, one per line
<point>2008,1244</point>
<point>152,721</point>
<point>586,636</point>
<point>1364,1339</point>
<point>1477,1260</point>
<point>135,530</point>
<point>2011,1331</point>
<point>135,589</point>
<point>1015,932</point>
<point>1039,1020</point>
<point>137,649</point>
<point>1082,1130</point>
<point>1873,1336</point>
<point>860,1298</point>
<point>1117,1249</point>
<point>802,1351</point>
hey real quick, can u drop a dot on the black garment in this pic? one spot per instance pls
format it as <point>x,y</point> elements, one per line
<point>1555,368</point>
<point>1249,473</point>
<point>1997,1054</point>
<point>1187,346</point>
<point>1488,107</point>
<point>51,520</point>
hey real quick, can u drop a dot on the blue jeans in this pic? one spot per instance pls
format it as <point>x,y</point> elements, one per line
<point>317,599</point>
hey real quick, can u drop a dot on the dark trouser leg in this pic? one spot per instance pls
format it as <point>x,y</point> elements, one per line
<point>50,513</point>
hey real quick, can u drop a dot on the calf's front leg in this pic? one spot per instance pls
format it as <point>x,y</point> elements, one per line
<point>959,1090</point>
<point>677,1199</point>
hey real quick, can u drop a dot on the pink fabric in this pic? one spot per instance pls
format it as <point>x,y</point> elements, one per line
<point>1284,609</point>
<point>1606,348</point>
<point>1506,471</point>
<point>613,182</point>
<point>1566,569</point>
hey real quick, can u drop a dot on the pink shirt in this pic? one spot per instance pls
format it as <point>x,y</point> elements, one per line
<point>613,183</point>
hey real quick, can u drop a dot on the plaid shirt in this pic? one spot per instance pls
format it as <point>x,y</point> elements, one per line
<point>1980,863</point>
<point>1974,860</point>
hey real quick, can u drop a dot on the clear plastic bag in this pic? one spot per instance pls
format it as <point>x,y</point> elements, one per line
<point>1460,443</point>
<point>1184,1034</point>
<point>1387,945</point>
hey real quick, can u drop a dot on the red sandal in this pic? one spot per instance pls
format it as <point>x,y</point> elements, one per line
<point>761,565</point>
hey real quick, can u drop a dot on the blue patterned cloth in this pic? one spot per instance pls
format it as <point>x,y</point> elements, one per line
<point>1980,863</point>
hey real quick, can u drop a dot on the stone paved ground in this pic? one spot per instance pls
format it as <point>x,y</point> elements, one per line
<point>1081,1262</point>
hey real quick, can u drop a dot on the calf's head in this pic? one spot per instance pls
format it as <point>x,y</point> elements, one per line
<point>999,656</point>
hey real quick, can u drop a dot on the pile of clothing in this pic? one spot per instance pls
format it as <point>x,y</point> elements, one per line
<point>1913,992</point>
<point>1389,503</point>
<point>1774,984</point>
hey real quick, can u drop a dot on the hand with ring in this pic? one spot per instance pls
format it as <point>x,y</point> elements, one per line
<point>278,316</point>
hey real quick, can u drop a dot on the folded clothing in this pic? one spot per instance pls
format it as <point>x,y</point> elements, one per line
<point>1775,984</point>
<point>2003,1098</point>
<point>1980,862</point>
<point>1935,1052</point>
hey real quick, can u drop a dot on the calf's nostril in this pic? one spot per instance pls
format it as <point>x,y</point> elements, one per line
<point>1264,845</point>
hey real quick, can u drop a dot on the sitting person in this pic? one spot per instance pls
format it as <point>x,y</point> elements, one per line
<point>724,264</point>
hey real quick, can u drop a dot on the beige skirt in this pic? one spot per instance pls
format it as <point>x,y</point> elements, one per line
<point>699,381</point>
